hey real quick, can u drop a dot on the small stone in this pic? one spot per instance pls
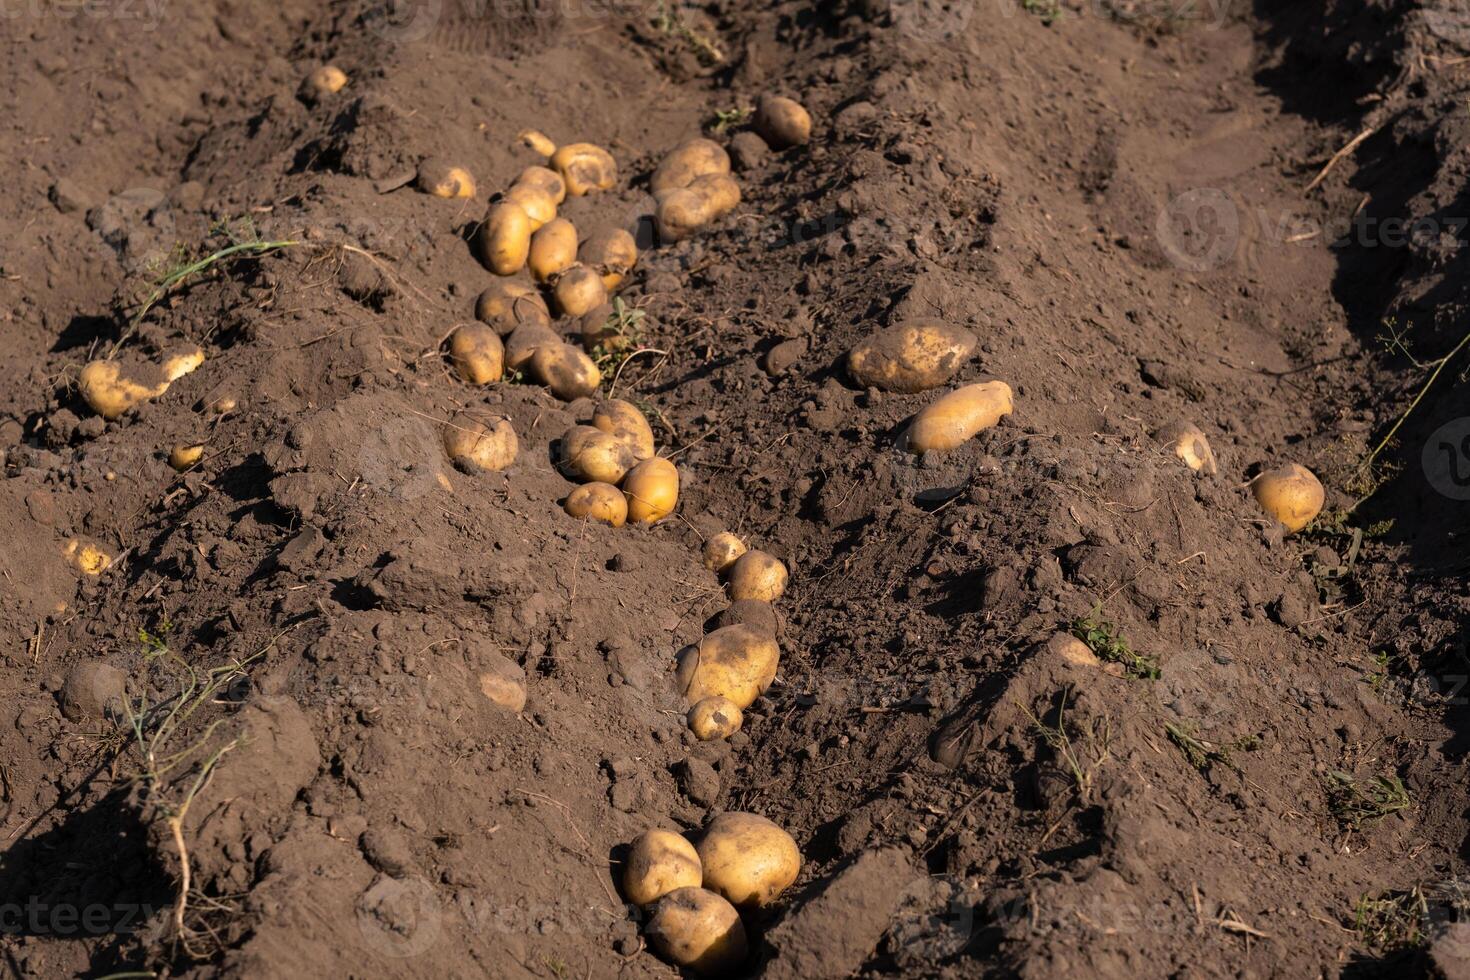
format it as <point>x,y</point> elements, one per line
<point>697,780</point>
<point>748,151</point>
<point>67,196</point>
<point>93,690</point>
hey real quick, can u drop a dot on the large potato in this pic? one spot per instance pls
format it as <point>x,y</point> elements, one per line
<point>477,354</point>
<point>690,159</point>
<point>525,341</point>
<point>782,122</point>
<point>553,249</point>
<point>474,446</point>
<point>756,575</point>
<point>585,168</point>
<point>591,455</point>
<point>683,211</point>
<point>112,390</point>
<point>1187,442</point>
<point>737,663</point>
<point>652,489</point>
<point>911,357</point>
<point>958,416</point>
<point>545,179</point>
<point>698,930</point>
<point>625,422</point>
<point>506,304</point>
<point>748,859</point>
<point>566,370</point>
<point>503,240</point>
<point>659,861</point>
<point>1292,494</point>
<point>598,502</point>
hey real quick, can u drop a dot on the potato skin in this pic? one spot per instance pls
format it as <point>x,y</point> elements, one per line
<point>566,370</point>
<point>525,341</point>
<point>734,662</point>
<point>443,179</point>
<point>715,718</point>
<point>504,239</point>
<point>544,179</point>
<point>652,489</point>
<point>956,417</point>
<point>474,446</point>
<point>585,167</point>
<point>756,575</point>
<point>535,201</point>
<point>578,291</point>
<point>698,930</point>
<point>690,159</point>
<point>505,305</point>
<point>659,861</point>
<point>748,859</point>
<point>1187,442</point>
<point>185,456</point>
<point>911,357</point>
<point>477,354</point>
<point>721,550</point>
<point>679,214</point>
<point>720,191</point>
<point>611,253</point>
<point>625,422</point>
<point>553,249</point>
<point>593,456</point>
<point>536,141</point>
<point>324,81</point>
<point>782,122</point>
<point>598,502</point>
<point>112,392</point>
<point>1292,494</point>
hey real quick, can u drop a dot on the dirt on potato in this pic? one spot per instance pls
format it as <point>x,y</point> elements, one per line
<point>1049,703</point>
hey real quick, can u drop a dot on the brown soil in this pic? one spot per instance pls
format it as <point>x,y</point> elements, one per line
<point>1118,198</point>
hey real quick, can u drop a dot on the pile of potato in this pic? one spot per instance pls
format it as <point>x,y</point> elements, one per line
<point>617,450</point>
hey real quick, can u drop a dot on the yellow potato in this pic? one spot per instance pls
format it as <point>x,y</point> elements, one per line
<point>690,159</point>
<point>566,370</point>
<point>720,192</point>
<point>474,446</point>
<point>112,392</point>
<point>958,416</point>
<point>747,859</point>
<point>659,861</point>
<point>1187,442</point>
<point>537,141</point>
<point>477,354</point>
<point>715,718</point>
<point>1291,494</point>
<point>721,550</point>
<point>626,423</point>
<point>326,80</point>
<point>553,249</point>
<point>585,168</point>
<point>535,201</point>
<point>185,456</point>
<point>598,502</point>
<point>734,662</point>
<point>652,489</point>
<point>756,575</point>
<point>912,357</point>
<point>222,405</point>
<point>442,179</point>
<point>700,931</point>
<point>591,455</point>
<point>525,341</point>
<point>685,210</point>
<point>182,361</point>
<point>782,122</point>
<point>507,304</point>
<point>86,556</point>
<point>578,291</point>
<point>611,253</point>
<point>503,240</point>
<point>545,179</point>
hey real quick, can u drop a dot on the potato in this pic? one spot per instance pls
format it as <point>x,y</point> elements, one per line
<point>690,159</point>
<point>720,192</point>
<point>112,392</point>
<point>1187,442</point>
<point>652,489</point>
<point>585,168</point>
<point>221,405</point>
<point>535,201</point>
<point>503,240</point>
<point>782,122</point>
<point>182,361</point>
<point>553,249</point>
<point>566,370</point>
<point>537,141</point>
<point>185,456</point>
<point>1291,494</point>
<point>721,550</point>
<point>958,416</point>
<point>326,80</point>
<point>659,861</point>
<point>611,253</point>
<point>698,930</point>
<point>578,290</point>
<point>733,662</point>
<point>443,179</point>
<point>545,179</point>
<point>508,304</point>
<point>715,718</point>
<point>474,446</point>
<point>477,354</point>
<point>626,423</point>
<point>591,455</point>
<point>684,211</point>
<point>756,575</point>
<point>912,357</point>
<point>748,859</point>
<point>525,341</point>
<point>86,556</point>
<point>598,502</point>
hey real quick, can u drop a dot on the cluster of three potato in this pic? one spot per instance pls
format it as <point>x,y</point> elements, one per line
<point>693,188</point>
<point>617,449</point>
<point>517,313</point>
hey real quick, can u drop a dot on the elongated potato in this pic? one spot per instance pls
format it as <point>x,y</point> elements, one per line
<point>443,179</point>
<point>690,159</point>
<point>185,456</point>
<point>782,122</point>
<point>700,931</point>
<point>477,354</point>
<point>721,550</point>
<point>715,718</point>
<point>112,390</point>
<point>958,416</point>
<point>652,489</point>
<point>506,304</point>
<point>625,422</point>
<point>578,291</point>
<point>611,253</point>
<point>1292,494</point>
<point>545,179</point>
<point>553,249</point>
<point>756,575</point>
<point>912,357</point>
<point>659,861</point>
<point>591,455</point>
<point>474,446</point>
<point>503,240</point>
<point>535,201</point>
<point>598,502</point>
<point>734,662</point>
<point>566,370</point>
<point>1187,442</point>
<point>585,168</point>
<point>536,141</point>
<point>747,859</point>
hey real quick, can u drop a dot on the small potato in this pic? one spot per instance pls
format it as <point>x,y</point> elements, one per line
<point>598,502</point>
<point>1292,494</point>
<point>324,81</point>
<point>503,240</point>
<point>734,662</point>
<point>700,931</point>
<point>782,122</point>
<point>591,455</point>
<point>477,354</point>
<point>756,575</point>
<point>535,201</point>
<point>545,179</point>
<point>508,304</point>
<point>185,456</point>
<point>748,859</point>
<point>474,446</point>
<point>690,159</point>
<point>611,253</point>
<point>912,357</point>
<point>721,550</point>
<point>958,416</point>
<point>625,422</point>
<point>181,361</point>
<point>221,405</point>
<point>553,249</point>
<point>585,168</point>
<point>578,291</point>
<point>715,718</point>
<point>536,141</point>
<point>86,556</point>
<point>1187,442</point>
<point>659,861</point>
<point>443,179</point>
<point>652,489</point>
<point>525,341</point>
<point>566,370</point>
